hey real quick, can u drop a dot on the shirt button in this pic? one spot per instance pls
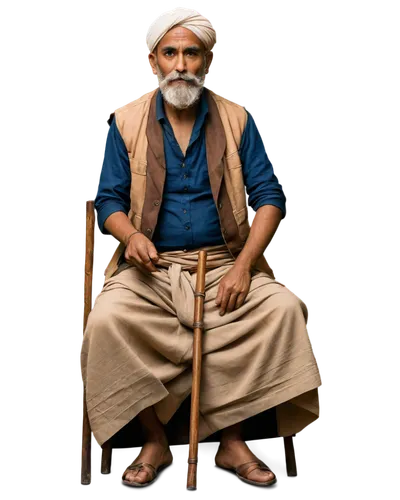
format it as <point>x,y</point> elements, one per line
<point>184,210</point>
<point>185,176</point>
<point>156,202</point>
<point>185,188</point>
<point>183,165</point>
<point>187,226</point>
<point>185,249</point>
<point>220,205</point>
<point>148,230</point>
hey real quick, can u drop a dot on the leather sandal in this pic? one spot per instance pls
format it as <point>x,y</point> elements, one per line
<point>248,467</point>
<point>140,466</point>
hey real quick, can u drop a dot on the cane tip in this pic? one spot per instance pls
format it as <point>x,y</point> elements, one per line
<point>191,491</point>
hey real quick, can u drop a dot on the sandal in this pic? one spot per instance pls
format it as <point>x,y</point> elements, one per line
<point>246,468</point>
<point>140,466</point>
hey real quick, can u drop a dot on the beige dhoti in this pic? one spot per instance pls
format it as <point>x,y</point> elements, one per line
<point>137,349</point>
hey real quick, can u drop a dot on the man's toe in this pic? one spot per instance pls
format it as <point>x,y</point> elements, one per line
<point>129,476</point>
<point>261,475</point>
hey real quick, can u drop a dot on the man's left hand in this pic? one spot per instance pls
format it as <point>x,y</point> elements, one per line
<point>233,288</point>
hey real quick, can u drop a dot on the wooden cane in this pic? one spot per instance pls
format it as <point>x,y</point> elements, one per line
<point>199,296</point>
<point>86,430</point>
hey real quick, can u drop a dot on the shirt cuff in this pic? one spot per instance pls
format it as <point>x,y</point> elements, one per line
<point>276,203</point>
<point>105,211</point>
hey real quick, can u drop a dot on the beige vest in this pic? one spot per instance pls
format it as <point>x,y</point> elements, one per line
<point>143,137</point>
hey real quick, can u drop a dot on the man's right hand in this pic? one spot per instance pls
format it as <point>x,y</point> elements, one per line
<point>141,253</point>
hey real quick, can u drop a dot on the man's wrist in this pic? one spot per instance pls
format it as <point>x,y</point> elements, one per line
<point>127,238</point>
<point>243,262</point>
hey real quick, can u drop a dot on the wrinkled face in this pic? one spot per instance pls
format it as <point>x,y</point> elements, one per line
<point>180,63</point>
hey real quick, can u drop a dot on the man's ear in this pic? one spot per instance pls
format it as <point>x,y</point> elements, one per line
<point>209,58</point>
<point>153,60</point>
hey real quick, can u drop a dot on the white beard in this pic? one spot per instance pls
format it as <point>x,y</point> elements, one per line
<point>180,95</point>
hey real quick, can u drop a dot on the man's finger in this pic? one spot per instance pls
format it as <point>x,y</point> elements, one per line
<point>224,302</point>
<point>232,302</point>
<point>130,259</point>
<point>219,296</point>
<point>136,261</point>
<point>153,254</point>
<point>240,300</point>
<point>146,261</point>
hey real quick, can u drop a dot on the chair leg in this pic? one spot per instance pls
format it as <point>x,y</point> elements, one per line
<point>86,445</point>
<point>291,468</point>
<point>87,431</point>
<point>106,455</point>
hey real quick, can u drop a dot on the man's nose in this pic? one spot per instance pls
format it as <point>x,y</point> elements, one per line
<point>180,63</point>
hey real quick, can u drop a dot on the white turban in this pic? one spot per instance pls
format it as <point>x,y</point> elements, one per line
<point>187,18</point>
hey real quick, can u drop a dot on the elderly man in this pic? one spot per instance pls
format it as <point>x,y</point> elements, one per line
<point>176,166</point>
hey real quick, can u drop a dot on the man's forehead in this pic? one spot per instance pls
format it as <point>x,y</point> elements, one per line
<point>179,35</point>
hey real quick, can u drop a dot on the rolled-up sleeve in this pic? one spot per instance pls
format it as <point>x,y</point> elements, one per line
<point>113,194</point>
<point>261,183</point>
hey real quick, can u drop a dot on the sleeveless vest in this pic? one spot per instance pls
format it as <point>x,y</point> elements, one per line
<point>143,137</point>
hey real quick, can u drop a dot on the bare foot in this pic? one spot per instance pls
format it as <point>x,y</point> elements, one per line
<point>154,452</point>
<point>233,453</point>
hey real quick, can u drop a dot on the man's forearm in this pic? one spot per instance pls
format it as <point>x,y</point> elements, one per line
<point>265,224</point>
<point>119,225</point>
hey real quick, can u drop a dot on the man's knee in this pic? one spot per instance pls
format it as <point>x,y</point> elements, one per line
<point>103,315</point>
<point>287,304</point>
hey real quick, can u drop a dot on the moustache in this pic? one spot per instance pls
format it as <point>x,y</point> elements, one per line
<point>174,78</point>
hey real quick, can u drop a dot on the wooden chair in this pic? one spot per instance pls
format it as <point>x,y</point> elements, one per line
<point>177,429</point>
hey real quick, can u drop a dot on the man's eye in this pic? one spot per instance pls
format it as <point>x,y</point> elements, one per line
<point>169,52</point>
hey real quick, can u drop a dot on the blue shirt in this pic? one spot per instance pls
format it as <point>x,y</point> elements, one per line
<point>188,217</point>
